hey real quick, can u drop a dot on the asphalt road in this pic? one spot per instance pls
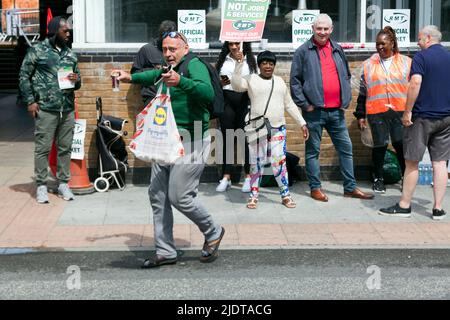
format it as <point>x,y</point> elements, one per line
<point>249,275</point>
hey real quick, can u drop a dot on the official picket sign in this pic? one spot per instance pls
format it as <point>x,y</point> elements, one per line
<point>243,20</point>
<point>78,139</point>
<point>302,21</point>
<point>192,23</point>
<point>400,21</point>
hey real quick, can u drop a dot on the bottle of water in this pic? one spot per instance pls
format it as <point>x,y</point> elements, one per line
<point>430,175</point>
<point>426,175</point>
<point>421,174</point>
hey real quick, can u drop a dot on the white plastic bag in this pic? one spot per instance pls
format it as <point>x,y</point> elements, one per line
<point>157,138</point>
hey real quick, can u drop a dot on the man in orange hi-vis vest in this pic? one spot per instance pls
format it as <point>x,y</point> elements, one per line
<point>382,99</point>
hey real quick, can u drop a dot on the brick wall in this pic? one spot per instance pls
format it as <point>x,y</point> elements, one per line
<point>96,67</point>
<point>125,104</point>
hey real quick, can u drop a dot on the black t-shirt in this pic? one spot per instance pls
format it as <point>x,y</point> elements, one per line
<point>149,57</point>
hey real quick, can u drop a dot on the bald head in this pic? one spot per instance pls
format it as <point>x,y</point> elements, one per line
<point>433,32</point>
<point>428,36</point>
<point>174,47</point>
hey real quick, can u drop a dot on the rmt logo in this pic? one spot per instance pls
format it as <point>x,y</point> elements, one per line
<point>305,18</point>
<point>396,18</point>
<point>244,25</point>
<point>191,18</point>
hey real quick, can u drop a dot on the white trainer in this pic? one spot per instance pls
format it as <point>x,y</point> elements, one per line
<point>224,185</point>
<point>246,187</point>
<point>42,194</point>
<point>65,192</point>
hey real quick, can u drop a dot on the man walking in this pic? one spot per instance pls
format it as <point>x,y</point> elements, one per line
<point>320,85</point>
<point>427,121</point>
<point>50,102</point>
<point>150,57</point>
<point>177,185</point>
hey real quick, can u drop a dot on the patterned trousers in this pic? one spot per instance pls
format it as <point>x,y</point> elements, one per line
<point>269,150</point>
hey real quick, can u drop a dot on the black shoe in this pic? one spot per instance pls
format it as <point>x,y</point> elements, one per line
<point>438,214</point>
<point>396,211</point>
<point>158,261</point>
<point>378,186</point>
<point>210,250</point>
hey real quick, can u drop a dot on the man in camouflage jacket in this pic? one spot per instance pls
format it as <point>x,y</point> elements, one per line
<point>50,106</point>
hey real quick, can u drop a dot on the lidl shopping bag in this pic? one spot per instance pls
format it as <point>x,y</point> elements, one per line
<point>157,138</point>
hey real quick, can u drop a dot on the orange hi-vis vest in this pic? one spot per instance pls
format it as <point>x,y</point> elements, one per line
<point>386,88</point>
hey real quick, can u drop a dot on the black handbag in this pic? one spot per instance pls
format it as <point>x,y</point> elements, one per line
<point>256,124</point>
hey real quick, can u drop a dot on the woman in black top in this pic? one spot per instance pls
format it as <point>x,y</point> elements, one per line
<point>236,105</point>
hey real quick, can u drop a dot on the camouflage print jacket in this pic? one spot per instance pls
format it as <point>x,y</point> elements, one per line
<point>39,77</point>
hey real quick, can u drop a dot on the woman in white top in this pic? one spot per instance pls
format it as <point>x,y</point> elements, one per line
<point>236,105</point>
<point>269,147</point>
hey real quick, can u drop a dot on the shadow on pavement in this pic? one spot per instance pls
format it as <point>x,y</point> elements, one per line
<point>29,188</point>
<point>135,258</point>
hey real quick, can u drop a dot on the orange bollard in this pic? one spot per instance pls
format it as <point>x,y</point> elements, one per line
<point>79,179</point>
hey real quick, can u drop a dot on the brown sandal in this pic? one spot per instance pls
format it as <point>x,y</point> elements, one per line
<point>288,202</point>
<point>252,203</point>
<point>210,250</point>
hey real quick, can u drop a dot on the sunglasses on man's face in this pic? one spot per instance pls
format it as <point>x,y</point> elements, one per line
<point>174,34</point>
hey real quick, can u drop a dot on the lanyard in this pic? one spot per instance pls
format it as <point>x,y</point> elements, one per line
<point>386,71</point>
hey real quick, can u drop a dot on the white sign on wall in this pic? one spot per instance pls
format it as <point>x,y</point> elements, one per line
<point>192,23</point>
<point>400,21</point>
<point>302,21</point>
<point>79,134</point>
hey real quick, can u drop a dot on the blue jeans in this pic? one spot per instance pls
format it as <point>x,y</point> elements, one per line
<point>334,122</point>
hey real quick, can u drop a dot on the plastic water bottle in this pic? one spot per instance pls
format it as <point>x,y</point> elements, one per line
<point>429,174</point>
<point>421,174</point>
<point>426,175</point>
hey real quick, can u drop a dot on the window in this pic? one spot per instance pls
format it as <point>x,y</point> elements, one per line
<point>375,15</point>
<point>343,12</point>
<point>130,23</point>
<point>445,21</point>
<point>138,20</point>
<point>422,13</point>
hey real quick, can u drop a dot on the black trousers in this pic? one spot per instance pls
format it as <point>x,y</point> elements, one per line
<point>236,108</point>
<point>378,158</point>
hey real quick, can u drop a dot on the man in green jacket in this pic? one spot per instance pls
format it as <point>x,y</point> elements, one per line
<point>177,185</point>
<point>48,78</point>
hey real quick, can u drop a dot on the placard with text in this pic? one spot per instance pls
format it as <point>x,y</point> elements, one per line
<point>400,21</point>
<point>243,20</point>
<point>79,135</point>
<point>302,21</point>
<point>192,24</point>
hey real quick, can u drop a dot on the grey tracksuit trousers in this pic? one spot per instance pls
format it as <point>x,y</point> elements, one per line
<point>177,185</point>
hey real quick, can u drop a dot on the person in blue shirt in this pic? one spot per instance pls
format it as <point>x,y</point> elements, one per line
<point>427,121</point>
